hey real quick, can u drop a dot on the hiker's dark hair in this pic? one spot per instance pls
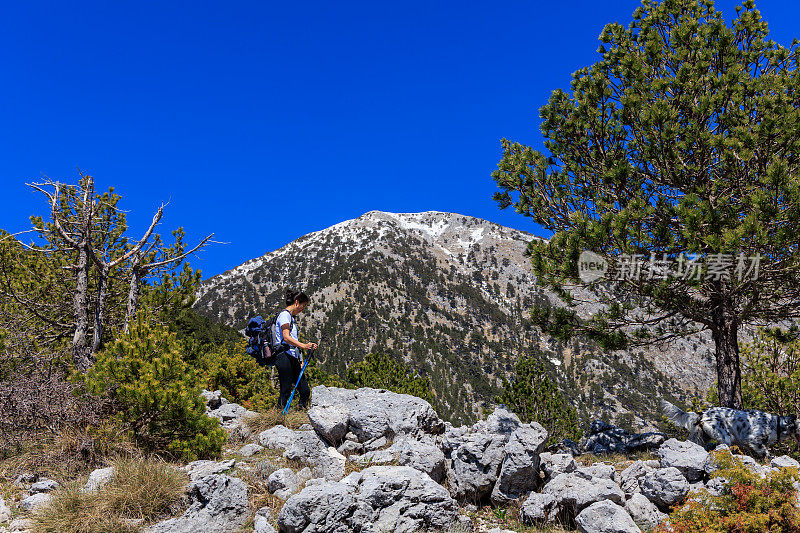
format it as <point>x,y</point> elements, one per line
<point>298,296</point>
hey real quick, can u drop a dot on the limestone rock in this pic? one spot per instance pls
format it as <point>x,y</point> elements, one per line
<point>474,462</point>
<point>605,517</point>
<point>380,498</point>
<point>425,456</point>
<point>249,450</point>
<point>375,413</point>
<point>539,508</point>
<point>553,464</point>
<point>784,461</point>
<point>276,438</point>
<point>219,504</point>
<point>349,447</point>
<point>228,412</point>
<point>600,470</point>
<point>330,464</point>
<point>35,502</point>
<point>664,487</point>
<point>21,525</point>
<point>305,446</point>
<point>519,472</point>
<point>98,478</point>
<point>261,521</point>
<point>325,508</point>
<point>330,421</point>
<point>43,485</point>
<point>283,483</point>
<point>5,512</point>
<point>629,478</point>
<point>688,457</point>
<point>303,475</point>
<point>213,399</point>
<point>643,511</point>
<point>203,468</point>
<point>576,491</point>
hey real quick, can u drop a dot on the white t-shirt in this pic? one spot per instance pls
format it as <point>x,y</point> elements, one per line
<point>285,317</point>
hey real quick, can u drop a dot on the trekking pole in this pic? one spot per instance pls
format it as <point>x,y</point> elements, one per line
<point>289,403</point>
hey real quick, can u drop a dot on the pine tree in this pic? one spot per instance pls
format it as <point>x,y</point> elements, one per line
<point>384,372</point>
<point>534,396</point>
<point>681,139</point>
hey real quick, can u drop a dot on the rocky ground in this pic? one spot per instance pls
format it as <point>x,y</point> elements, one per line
<point>372,461</point>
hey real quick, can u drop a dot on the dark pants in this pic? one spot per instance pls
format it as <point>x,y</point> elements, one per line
<point>288,371</point>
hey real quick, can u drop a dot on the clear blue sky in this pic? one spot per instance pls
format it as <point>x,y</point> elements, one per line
<point>284,116</point>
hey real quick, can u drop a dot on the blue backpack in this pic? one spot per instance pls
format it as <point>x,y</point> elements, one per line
<point>261,344</point>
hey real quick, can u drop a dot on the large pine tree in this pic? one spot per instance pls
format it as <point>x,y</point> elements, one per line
<point>681,142</point>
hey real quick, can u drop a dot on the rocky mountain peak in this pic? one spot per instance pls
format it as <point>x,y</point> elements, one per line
<point>448,294</point>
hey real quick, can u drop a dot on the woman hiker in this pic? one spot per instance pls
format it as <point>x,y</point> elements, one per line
<point>288,362</point>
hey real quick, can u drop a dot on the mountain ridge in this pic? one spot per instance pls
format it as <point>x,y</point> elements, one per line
<point>448,294</point>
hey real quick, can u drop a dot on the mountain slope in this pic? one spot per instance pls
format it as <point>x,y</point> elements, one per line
<point>448,294</point>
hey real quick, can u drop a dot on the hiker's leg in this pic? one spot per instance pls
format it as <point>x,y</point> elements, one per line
<point>286,377</point>
<point>304,390</point>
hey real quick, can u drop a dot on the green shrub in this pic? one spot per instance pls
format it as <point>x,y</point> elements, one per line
<point>771,377</point>
<point>535,397</point>
<point>317,376</point>
<point>749,503</point>
<point>154,394</point>
<point>771,373</point>
<point>240,378</point>
<point>384,372</point>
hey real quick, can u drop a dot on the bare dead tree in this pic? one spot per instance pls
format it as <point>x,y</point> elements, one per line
<point>92,228</point>
<point>153,260</point>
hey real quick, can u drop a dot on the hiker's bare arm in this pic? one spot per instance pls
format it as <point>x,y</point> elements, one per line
<point>287,337</point>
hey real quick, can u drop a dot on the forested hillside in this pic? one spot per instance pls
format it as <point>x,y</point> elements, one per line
<point>449,295</point>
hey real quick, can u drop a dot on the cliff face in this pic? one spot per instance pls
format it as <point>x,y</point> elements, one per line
<point>449,295</point>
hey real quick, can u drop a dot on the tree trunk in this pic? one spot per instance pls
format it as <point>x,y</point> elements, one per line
<point>729,375</point>
<point>80,346</point>
<point>100,311</point>
<point>133,296</point>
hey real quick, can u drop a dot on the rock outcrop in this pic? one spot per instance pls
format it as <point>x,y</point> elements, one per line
<point>409,458</point>
<point>688,457</point>
<point>497,457</point>
<point>219,504</point>
<point>379,498</point>
<point>370,414</point>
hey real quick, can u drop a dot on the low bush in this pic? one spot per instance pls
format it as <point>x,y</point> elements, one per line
<point>154,394</point>
<point>749,504</point>
<point>240,378</point>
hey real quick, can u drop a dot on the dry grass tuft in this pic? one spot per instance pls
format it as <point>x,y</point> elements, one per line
<point>72,452</point>
<point>74,511</point>
<point>620,461</point>
<point>145,489</point>
<point>260,496</point>
<point>267,419</point>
